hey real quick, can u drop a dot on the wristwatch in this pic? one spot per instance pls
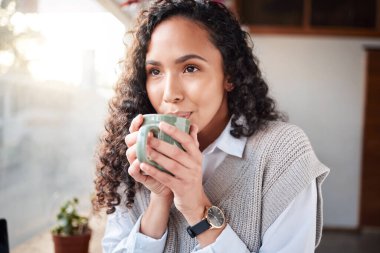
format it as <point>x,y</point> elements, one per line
<point>213,219</point>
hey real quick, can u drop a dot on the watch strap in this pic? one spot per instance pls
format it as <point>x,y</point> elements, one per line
<point>198,228</point>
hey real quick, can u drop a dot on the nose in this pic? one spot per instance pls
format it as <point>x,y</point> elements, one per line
<point>173,92</point>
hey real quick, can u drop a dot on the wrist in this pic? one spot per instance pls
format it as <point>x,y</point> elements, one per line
<point>197,214</point>
<point>155,218</point>
<point>210,227</point>
<point>163,201</point>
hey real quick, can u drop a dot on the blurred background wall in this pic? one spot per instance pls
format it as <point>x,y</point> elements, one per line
<point>320,82</point>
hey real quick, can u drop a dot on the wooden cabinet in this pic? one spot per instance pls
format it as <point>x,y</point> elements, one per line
<point>316,17</point>
<point>370,175</point>
<point>352,14</point>
<point>272,13</point>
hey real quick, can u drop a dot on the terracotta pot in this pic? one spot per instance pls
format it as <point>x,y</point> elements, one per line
<point>71,244</point>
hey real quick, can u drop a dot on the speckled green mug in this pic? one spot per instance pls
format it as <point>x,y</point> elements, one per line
<point>150,124</point>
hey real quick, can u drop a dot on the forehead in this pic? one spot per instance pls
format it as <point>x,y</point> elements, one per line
<point>180,35</point>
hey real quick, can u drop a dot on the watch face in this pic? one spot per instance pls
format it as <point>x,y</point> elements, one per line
<point>215,217</point>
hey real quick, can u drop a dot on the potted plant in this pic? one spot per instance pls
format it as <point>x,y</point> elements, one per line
<point>72,234</point>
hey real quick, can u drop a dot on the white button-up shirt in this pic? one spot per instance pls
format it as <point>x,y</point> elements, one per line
<point>299,217</point>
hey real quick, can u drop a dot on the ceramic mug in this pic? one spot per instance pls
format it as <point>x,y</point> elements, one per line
<point>150,124</point>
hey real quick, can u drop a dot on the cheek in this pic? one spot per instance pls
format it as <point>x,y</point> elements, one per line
<point>210,95</point>
<point>208,100</point>
<point>207,89</point>
<point>154,95</point>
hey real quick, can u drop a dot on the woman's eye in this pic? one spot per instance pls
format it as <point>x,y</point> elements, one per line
<point>191,69</point>
<point>154,72</point>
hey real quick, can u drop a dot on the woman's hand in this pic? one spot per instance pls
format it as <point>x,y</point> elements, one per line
<point>189,196</point>
<point>134,169</point>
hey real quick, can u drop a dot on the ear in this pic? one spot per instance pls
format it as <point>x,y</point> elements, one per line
<point>228,86</point>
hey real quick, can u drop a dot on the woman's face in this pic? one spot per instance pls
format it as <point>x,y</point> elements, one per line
<point>185,74</point>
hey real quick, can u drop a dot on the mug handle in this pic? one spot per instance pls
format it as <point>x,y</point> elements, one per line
<point>142,139</point>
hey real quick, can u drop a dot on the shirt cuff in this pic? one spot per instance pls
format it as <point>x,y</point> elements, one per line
<point>227,241</point>
<point>138,242</point>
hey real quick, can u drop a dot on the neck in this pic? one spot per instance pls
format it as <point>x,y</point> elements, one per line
<point>216,126</point>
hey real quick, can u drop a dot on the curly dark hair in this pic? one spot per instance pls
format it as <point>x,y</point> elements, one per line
<point>248,100</point>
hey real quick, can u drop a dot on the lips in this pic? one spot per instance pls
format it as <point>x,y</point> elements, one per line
<point>181,114</point>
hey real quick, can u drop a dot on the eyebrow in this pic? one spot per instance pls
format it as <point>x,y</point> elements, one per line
<point>179,60</point>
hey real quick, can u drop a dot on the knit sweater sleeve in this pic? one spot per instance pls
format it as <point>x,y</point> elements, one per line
<point>291,166</point>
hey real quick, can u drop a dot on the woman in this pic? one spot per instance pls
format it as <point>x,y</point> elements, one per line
<point>246,182</point>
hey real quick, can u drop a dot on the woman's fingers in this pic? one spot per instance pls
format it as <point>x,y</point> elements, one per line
<point>131,138</point>
<point>134,171</point>
<point>159,176</point>
<point>148,181</point>
<point>190,158</point>
<point>185,139</point>
<point>136,123</point>
<point>131,154</point>
<point>170,151</point>
<point>169,164</point>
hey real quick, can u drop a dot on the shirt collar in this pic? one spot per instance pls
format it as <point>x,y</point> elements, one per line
<point>227,143</point>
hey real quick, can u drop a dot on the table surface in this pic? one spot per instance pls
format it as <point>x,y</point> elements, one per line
<point>43,243</point>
